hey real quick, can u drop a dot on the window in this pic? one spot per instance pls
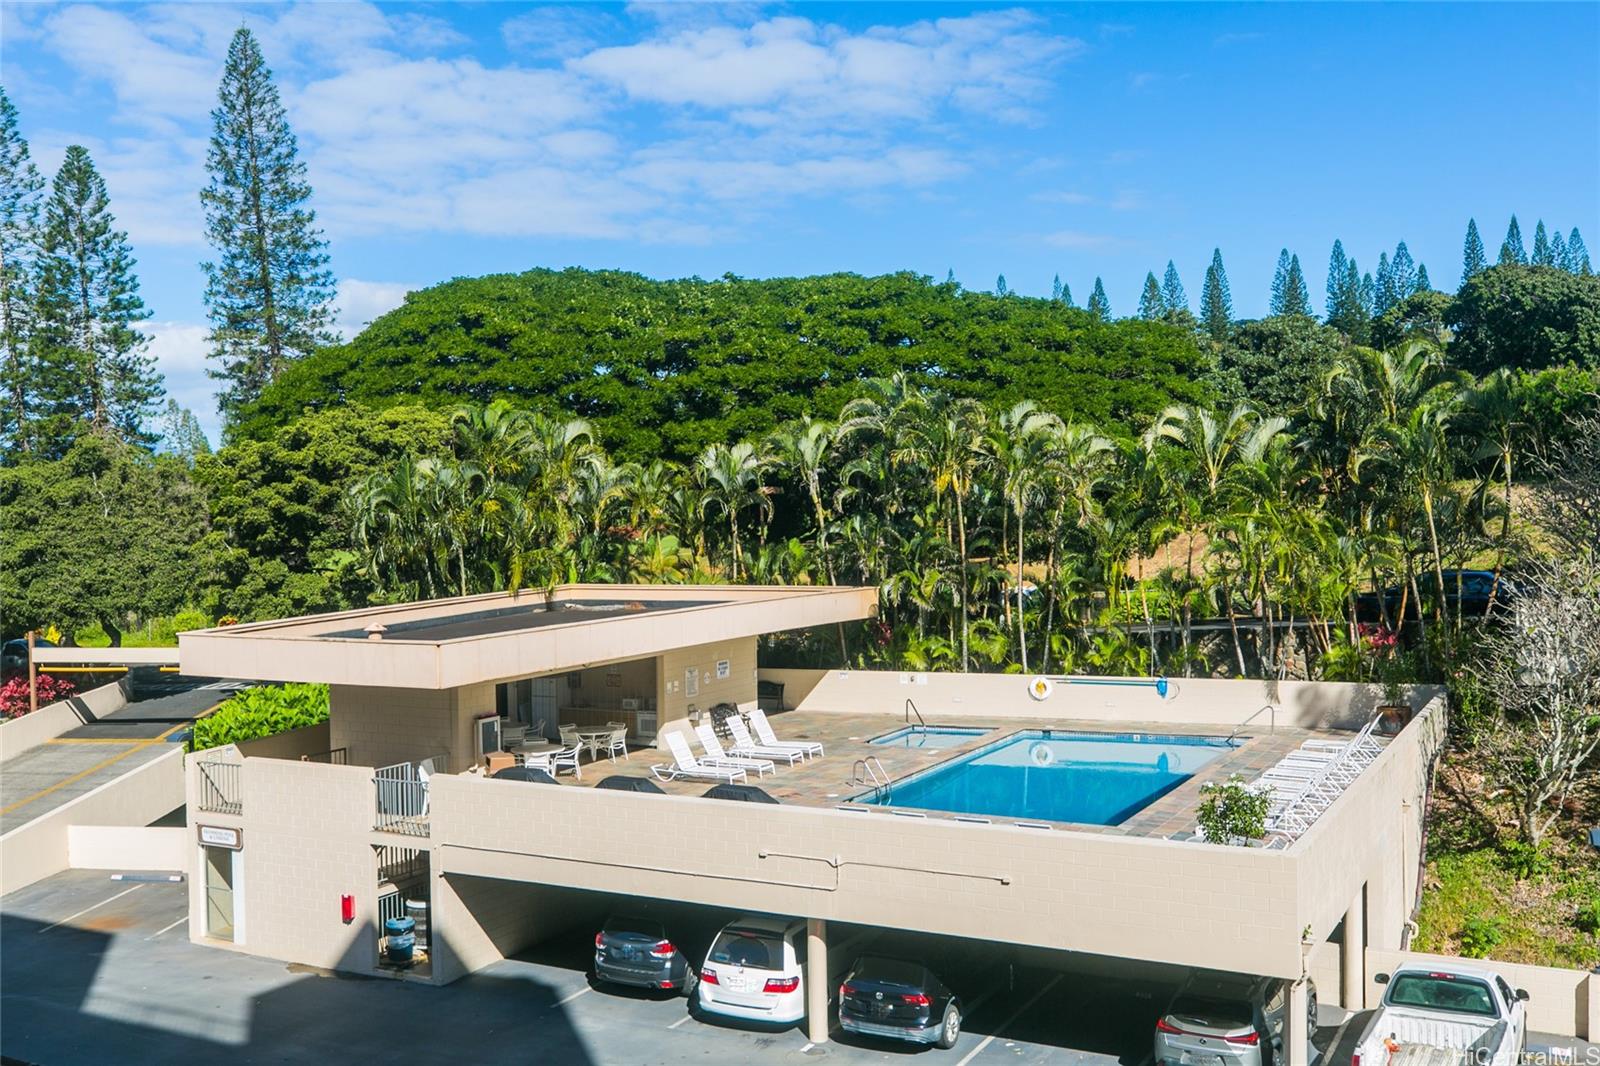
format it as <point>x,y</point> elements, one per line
<point>748,947</point>
<point>1446,992</point>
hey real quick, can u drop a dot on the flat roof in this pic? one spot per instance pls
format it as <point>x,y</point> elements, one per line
<point>441,644</point>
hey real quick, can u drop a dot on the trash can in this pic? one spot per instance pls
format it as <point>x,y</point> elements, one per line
<point>417,911</point>
<point>399,940</point>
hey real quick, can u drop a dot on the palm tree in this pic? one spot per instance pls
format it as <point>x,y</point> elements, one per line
<point>943,436</point>
<point>1021,446</point>
<point>731,480</point>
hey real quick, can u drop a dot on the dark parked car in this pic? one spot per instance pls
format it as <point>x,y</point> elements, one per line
<point>900,1000</point>
<point>631,950</point>
<point>14,656</point>
<point>1470,597</point>
<point>1227,1020</point>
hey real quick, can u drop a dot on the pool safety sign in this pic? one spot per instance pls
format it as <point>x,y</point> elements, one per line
<point>221,836</point>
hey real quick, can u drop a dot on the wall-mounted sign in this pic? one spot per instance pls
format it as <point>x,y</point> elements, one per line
<point>723,669</point>
<point>691,681</point>
<point>221,836</point>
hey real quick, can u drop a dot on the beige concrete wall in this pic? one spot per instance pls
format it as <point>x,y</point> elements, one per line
<point>123,847</point>
<point>1194,701</point>
<point>307,842</point>
<point>383,726</point>
<point>739,686</point>
<point>39,848</point>
<point>477,921</point>
<point>307,740</point>
<point>17,735</point>
<point>1152,899</point>
<point>1373,834</point>
<point>797,684</point>
<point>1560,1001</point>
<point>1322,964</point>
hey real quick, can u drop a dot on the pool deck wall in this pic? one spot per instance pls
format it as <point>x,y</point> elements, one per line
<point>1191,701</point>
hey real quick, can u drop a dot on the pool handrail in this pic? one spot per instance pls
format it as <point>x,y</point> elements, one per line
<point>911,709</point>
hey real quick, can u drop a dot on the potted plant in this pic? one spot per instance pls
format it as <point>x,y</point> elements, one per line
<point>1232,812</point>
<point>1394,710</point>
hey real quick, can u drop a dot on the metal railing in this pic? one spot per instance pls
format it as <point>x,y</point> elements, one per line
<point>401,795</point>
<point>1272,722</point>
<point>870,771</point>
<point>333,757</point>
<point>911,709</point>
<point>219,788</point>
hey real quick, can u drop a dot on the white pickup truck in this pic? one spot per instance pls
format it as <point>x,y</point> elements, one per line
<point>1445,1015</point>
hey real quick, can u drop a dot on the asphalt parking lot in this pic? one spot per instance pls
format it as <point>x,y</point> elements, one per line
<point>94,970</point>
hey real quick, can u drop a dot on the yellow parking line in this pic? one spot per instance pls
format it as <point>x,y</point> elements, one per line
<point>80,775</point>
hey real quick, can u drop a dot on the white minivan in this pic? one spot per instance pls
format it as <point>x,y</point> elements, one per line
<point>753,971</point>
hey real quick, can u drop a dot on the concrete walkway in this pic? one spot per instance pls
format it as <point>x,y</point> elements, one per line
<point>81,760</point>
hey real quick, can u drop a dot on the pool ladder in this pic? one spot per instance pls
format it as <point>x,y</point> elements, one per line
<point>869,771</point>
<point>911,709</point>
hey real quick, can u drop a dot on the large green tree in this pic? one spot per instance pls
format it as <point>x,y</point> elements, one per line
<point>1511,253</point>
<point>1276,364</point>
<point>268,290</point>
<point>664,369</point>
<point>1289,293</point>
<point>280,544</point>
<point>1151,307</point>
<point>92,367</point>
<point>20,189</point>
<point>1527,318</point>
<point>107,533</point>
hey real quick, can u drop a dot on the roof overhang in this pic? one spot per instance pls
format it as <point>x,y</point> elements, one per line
<point>442,644</point>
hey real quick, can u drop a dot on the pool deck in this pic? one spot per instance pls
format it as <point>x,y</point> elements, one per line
<point>826,782</point>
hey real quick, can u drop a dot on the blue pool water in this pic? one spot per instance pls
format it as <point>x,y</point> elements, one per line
<point>931,736</point>
<point>1047,776</point>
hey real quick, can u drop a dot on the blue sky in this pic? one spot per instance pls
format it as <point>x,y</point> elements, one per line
<point>676,139</point>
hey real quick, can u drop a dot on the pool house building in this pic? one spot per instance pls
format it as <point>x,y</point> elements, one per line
<point>1052,818</point>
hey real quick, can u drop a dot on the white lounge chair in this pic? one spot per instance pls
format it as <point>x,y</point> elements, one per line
<point>716,756</point>
<point>764,733</point>
<point>684,764</point>
<point>745,744</point>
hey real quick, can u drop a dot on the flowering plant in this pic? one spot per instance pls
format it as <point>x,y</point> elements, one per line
<point>14,693</point>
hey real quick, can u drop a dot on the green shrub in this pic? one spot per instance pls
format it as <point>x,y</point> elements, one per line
<point>1480,934</point>
<point>261,712</point>
<point>1524,860</point>
<point>1588,916</point>
<point>1230,809</point>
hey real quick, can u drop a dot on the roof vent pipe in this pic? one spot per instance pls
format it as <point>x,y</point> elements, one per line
<point>376,631</point>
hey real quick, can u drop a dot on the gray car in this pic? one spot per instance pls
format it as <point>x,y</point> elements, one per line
<point>631,950</point>
<point>1227,1020</point>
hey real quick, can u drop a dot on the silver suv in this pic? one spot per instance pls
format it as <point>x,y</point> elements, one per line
<point>1227,1020</point>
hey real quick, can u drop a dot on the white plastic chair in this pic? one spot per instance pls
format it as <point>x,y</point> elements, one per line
<point>568,758</point>
<point>745,744</point>
<point>569,733</point>
<point>763,728</point>
<point>618,743</point>
<point>716,756</point>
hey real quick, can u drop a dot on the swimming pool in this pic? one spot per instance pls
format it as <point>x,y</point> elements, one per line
<point>929,736</point>
<point>1050,776</point>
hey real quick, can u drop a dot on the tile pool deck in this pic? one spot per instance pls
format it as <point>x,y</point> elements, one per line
<point>825,782</point>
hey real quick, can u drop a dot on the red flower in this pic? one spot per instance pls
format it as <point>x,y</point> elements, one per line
<point>14,693</point>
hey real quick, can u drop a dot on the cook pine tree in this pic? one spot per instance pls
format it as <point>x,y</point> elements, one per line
<point>91,366</point>
<point>21,188</point>
<point>1216,300</point>
<point>269,293</point>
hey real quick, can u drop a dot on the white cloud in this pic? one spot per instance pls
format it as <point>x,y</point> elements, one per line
<point>398,137</point>
<point>180,350</point>
<point>360,302</point>
<point>811,72</point>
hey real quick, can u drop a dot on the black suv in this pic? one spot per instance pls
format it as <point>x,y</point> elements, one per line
<point>900,1000</point>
